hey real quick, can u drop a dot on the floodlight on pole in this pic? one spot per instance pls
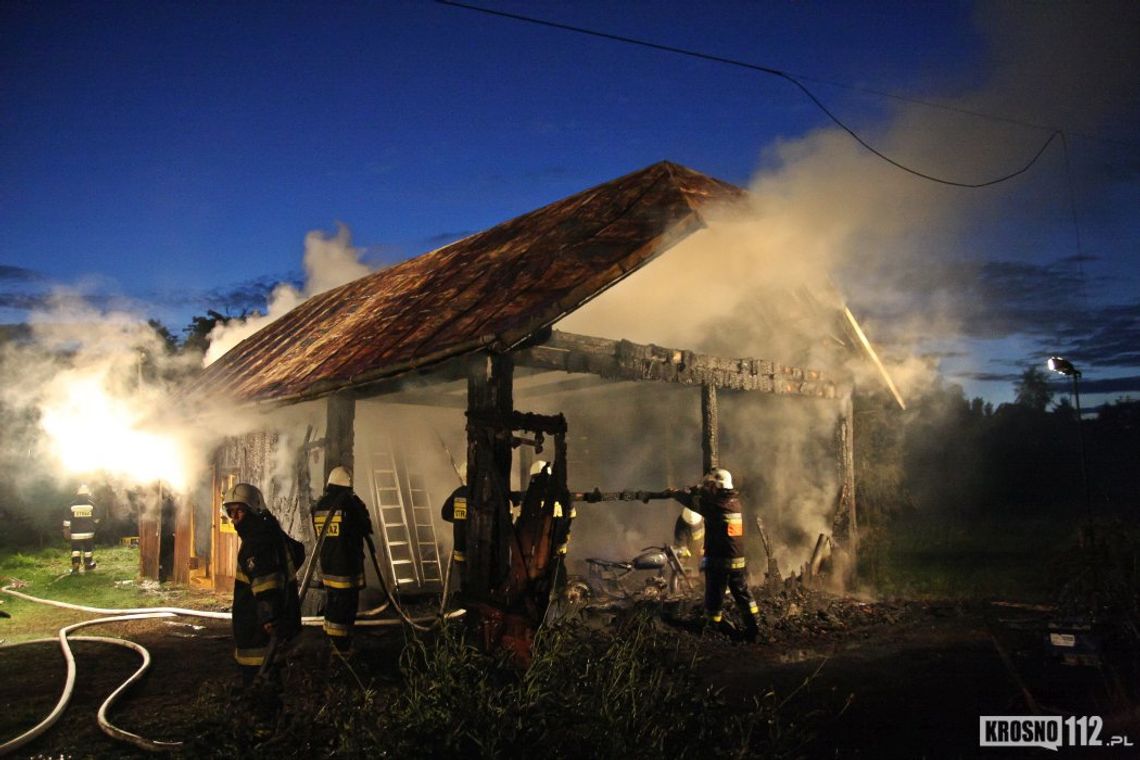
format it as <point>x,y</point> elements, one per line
<point>1062,366</point>
<point>1065,367</point>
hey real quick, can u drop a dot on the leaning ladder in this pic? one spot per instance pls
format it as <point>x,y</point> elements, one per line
<point>393,521</point>
<point>423,527</point>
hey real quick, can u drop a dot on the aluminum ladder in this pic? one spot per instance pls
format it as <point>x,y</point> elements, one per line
<point>423,528</point>
<point>393,519</point>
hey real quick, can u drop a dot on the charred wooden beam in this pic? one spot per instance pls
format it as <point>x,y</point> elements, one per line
<point>340,417</point>
<point>710,431</point>
<point>489,411</point>
<point>624,360</point>
<point>845,525</point>
<point>592,497</point>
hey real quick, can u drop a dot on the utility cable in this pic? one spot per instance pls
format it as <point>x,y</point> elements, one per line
<point>764,70</point>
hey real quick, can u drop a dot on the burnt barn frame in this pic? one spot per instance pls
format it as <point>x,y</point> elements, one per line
<point>453,329</point>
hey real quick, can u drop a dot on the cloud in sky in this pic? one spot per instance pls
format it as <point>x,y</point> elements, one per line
<point>10,273</point>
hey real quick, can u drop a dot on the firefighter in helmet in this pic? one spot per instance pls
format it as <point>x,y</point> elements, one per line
<point>723,563</point>
<point>541,532</point>
<point>81,528</point>
<point>542,491</point>
<point>454,511</point>
<point>688,533</point>
<point>342,554</point>
<point>266,610</point>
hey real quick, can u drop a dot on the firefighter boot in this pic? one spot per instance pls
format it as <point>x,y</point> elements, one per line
<point>751,632</point>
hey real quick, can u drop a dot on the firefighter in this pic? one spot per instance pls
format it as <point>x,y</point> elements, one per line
<point>561,507</point>
<point>723,563</point>
<point>454,511</point>
<point>688,538</point>
<point>81,529</point>
<point>542,531</point>
<point>266,610</point>
<point>342,554</point>
<point>688,533</point>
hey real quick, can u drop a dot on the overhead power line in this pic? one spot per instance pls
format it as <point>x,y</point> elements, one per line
<point>776,73</point>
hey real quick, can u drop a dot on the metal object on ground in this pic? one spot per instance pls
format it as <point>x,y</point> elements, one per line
<point>610,578</point>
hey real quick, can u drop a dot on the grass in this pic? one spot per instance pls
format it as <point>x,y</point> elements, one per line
<point>114,584</point>
<point>631,692</point>
<point>980,558</point>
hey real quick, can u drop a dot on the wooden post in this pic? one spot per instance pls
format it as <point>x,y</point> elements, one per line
<point>710,443</point>
<point>846,525</point>
<point>150,527</point>
<point>526,459</point>
<point>339,435</point>
<point>489,406</point>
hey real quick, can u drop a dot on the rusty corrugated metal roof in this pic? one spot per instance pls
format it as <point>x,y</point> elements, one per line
<point>494,288</point>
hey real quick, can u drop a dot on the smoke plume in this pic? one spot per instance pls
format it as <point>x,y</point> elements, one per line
<point>329,261</point>
<point>828,223</point>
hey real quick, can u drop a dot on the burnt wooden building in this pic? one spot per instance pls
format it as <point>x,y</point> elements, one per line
<point>457,341</point>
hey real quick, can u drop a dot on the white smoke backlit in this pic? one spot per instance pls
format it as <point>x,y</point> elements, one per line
<point>96,390</point>
<point>329,261</point>
<point>827,222</point>
<point>92,430</point>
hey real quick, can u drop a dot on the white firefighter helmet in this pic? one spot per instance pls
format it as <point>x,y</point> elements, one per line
<point>690,517</point>
<point>83,490</point>
<point>340,476</point>
<point>720,478</point>
<point>539,466</point>
<point>246,495</point>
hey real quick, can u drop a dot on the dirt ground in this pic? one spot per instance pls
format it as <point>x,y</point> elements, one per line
<point>884,680</point>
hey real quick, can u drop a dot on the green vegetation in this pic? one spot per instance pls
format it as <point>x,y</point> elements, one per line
<point>630,692</point>
<point>957,499</point>
<point>991,558</point>
<point>45,574</point>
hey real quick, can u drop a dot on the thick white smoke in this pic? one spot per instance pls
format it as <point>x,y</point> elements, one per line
<point>96,392</point>
<point>94,388</point>
<point>827,223</point>
<point>329,261</point>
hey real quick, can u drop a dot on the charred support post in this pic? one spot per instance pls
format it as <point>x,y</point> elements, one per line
<point>489,407</point>
<point>526,459</point>
<point>846,526</point>
<point>710,443</point>
<point>340,418</point>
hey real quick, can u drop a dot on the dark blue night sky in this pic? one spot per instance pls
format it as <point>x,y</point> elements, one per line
<point>171,157</point>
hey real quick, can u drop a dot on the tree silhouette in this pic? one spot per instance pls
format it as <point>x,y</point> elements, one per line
<point>1033,390</point>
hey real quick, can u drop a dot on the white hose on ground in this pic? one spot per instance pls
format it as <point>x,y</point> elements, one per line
<point>5,748</point>
<point>69,686</point>
<point>313,620</point>
<point>124,615</point>
<point>129,611</point>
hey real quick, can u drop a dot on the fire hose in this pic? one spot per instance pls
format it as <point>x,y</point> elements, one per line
<point>123,615</point>
<point>142,613</point>
<point>390,598</point>
<point>65,697</point>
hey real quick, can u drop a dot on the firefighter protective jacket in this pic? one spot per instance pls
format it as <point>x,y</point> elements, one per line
<point>455,512</point>
<point>265,587</point>
<point>342,553</point>
<point>82,512</point>
<point>724,526</point>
